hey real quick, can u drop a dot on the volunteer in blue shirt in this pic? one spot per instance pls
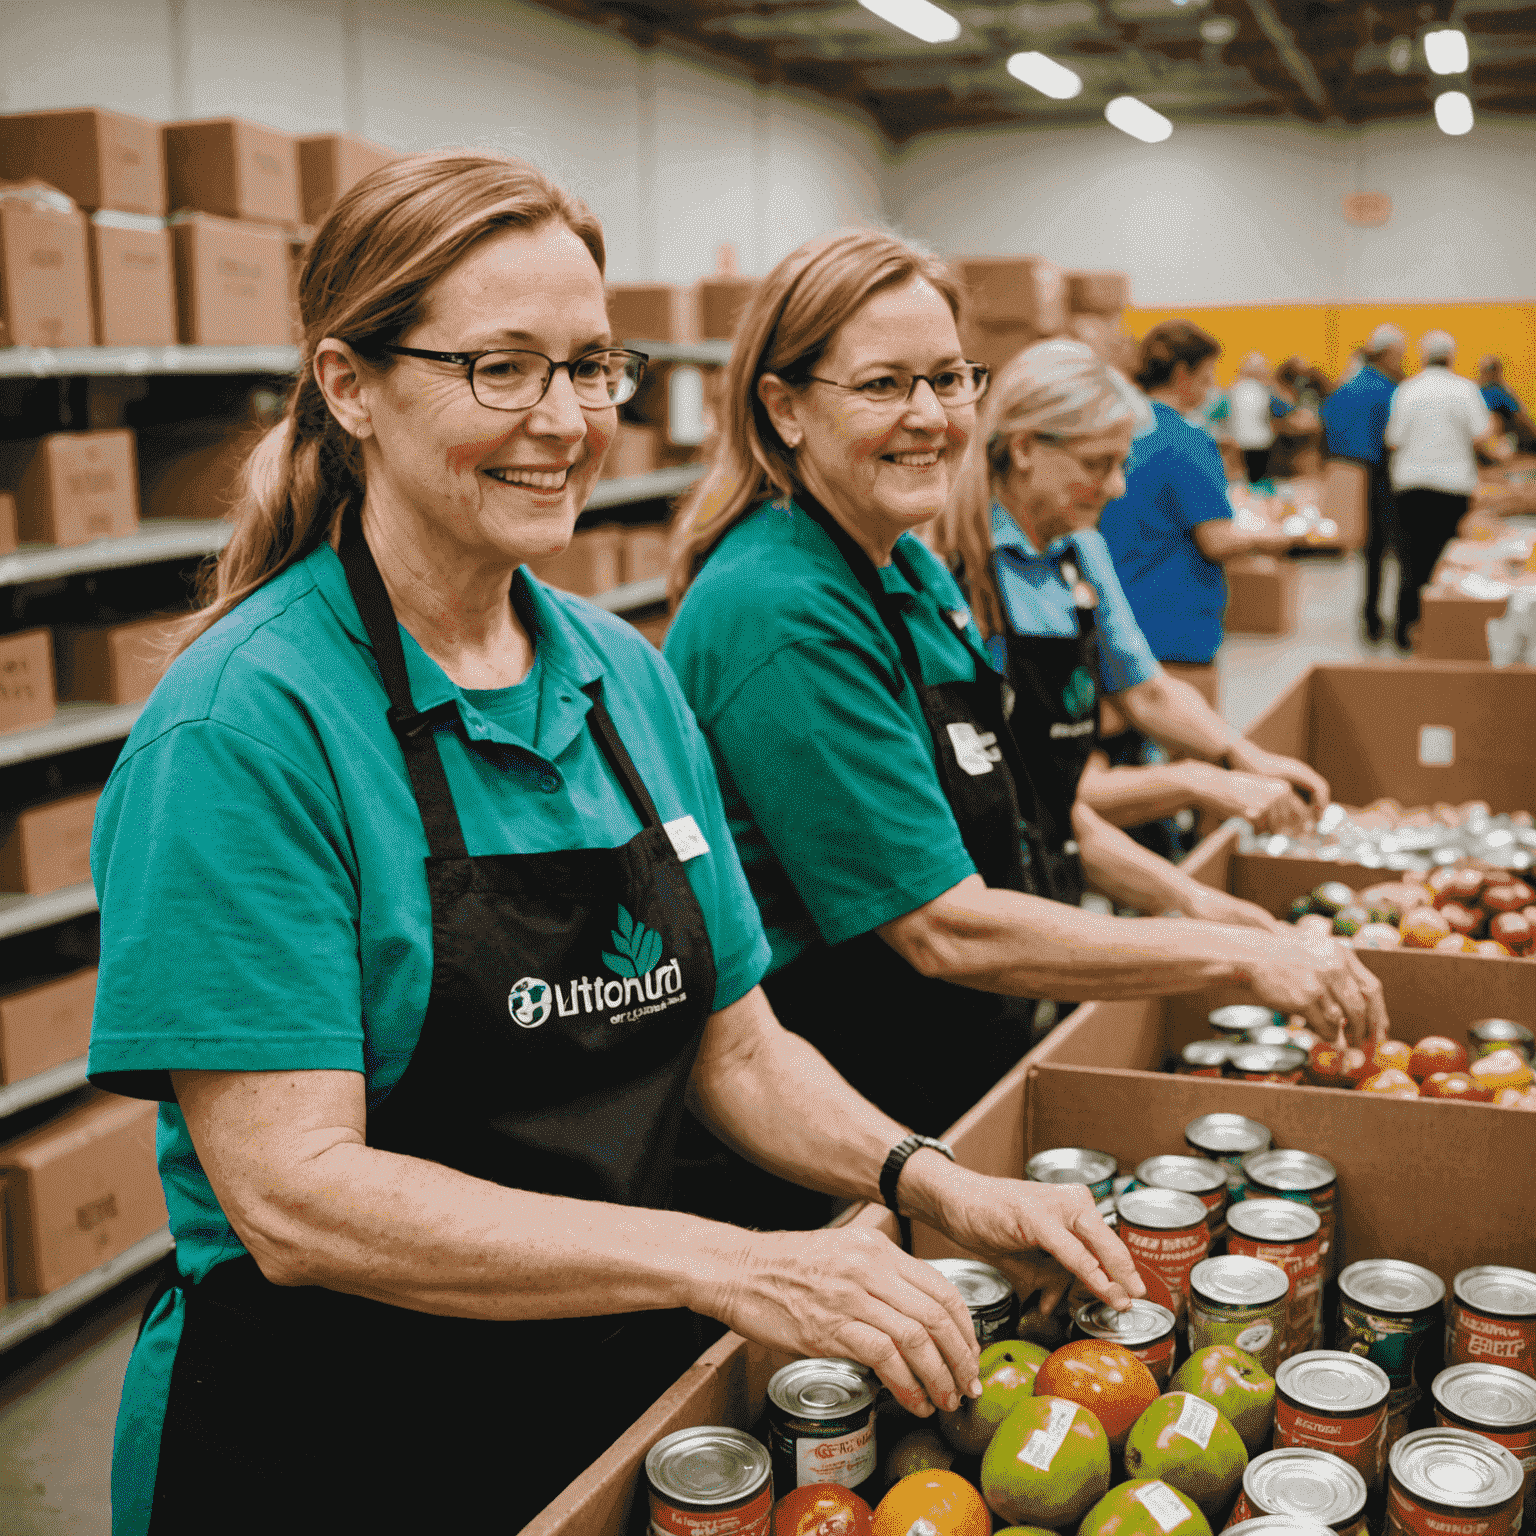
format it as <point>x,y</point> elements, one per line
<point>1020,530</point>
<point>421,918</point>
<point>886,814</point>
<point>1172,529</point>
<point>1355,425</point>
<point>1505,404</point>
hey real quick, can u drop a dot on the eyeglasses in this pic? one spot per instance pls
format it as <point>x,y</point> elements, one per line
<point>1100,467</point>
<point>952,386</point>
<point>517,381</point>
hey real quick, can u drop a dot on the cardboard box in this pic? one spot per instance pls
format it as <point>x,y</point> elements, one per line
<point>100,159</point>
<point>26,680</point>
<point>191,469</point>
<point>73,487</point>
<point>46,1024</point>
<point>645,552</point>
<point>1015,290</point>
<point>996,343</point>
<point>720,303</point>
<point>234,168</point>
<point>332,163</point>
<point>635,450</point>
<point>1263,595</point>
<point>8,537</point>
<point>1098,293</point>
<point>1344,497</point>
<point>232,284</point>
<point>45,283</point>
<point>81,1189</point>
<point>133,280</point>
<point>652,312</point>
<point>1454,628</point>
<point>48,846</point>
<point>592,562</point>
<point>115,663</point>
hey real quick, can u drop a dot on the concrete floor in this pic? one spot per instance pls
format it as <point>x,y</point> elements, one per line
<point>58,1397</point>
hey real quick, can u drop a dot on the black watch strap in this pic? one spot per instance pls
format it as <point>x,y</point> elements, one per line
<point>896,1160</point>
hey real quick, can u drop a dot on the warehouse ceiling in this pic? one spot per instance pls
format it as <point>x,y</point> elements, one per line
<point>1341,61</point>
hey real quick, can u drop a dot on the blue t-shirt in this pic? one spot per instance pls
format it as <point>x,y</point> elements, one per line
<point>1500,401</point>
<point>1355,417</point>
<point>1174,482</point>
<point>1038,602</point>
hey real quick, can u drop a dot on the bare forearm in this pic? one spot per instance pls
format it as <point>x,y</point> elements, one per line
<point>1130,875</point>
<point>1174,715</point>
<point>1131,797</point>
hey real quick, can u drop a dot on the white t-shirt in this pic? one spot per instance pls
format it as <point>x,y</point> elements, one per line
<point>1252,425</point>
<point>1435,418</point>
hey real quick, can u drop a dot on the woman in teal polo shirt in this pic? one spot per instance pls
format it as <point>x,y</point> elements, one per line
<point>421,918</point>
<point>873,786</point>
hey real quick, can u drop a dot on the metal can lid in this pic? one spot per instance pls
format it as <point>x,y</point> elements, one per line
<point>1171,1170</point>
<point>1490,1395</point>
<point>1107,1212</point>
<point>1205,1053</point>
<point>1333,1382</point>
<point>1497,1289</point>
<point>1500,1032</point>
<point>1289,1169</point>
<point>1237,1019</point>
<point>1457,1468</point>
<point>1227,1133</point>
<point>1233,1280</point>
<point>1391,1285</point>
<point>980,1284</point>
<point>1143,1323</point>
<point>825,1388</point>
<point>1312,1484</point>
<point>1268,1058</point>
<point>1277,1525</point>
<point>1164,1210</point>
<point>708,1465</point>
<point>1070,1165</point>
<point>1282,1220</point>
<point>1271,1034</point>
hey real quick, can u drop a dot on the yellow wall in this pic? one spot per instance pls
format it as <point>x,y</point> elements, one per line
<point>1326,334</point>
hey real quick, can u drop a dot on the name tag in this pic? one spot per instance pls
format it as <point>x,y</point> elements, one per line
<point>687,841</point>
<point>1061,731</point>
<point>974,752</point>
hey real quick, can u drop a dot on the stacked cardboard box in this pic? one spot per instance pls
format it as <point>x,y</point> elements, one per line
<point>45,285</point>
<point>1011,302</point>
<point>1263,595</point>
<point>45,1023</point>
<point>26,680</point>
<point>47,847</point>
<point>73,487</point>
<point>114,663</point>
<point>331,164</point>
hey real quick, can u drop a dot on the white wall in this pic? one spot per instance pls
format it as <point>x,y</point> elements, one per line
<point>674,156</point>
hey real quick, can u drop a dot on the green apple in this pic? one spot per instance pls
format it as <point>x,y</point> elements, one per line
<point>920,1451</point>
<point>1023,1530</point>
<point>1185,1442</point>
<point>1233,1381</point>
<point>1007,1372</point>
<point>1144,1507</point>
<point>1047,1463</point>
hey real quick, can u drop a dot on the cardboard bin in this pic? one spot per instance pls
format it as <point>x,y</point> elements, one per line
<point>652,312</point>
<point>1343,497</point>
<point>1263,595</point>
<point>45,282</point>
<point>48,846</point>
<point>80,1190</point>
<point>332,163</point>
<point>1453,627</point>
<point>635,450</point>
<point>1014,290</point>
<point>73,487</point>
<point>232,285</point>
<point>101,159</point>
<point>133,280</point>
<point>114,663</point>
<point>996,343</point>
<point>720,303</point>
<point>8,538</point>
<point>26,680</point>
<point>1098,293</point>
<point>592,562</point>
<point>234,168</point>
<point>46,1024</point>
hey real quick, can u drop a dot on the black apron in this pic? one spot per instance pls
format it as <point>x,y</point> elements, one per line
<point>569,994</point>
<point>922,1049</point>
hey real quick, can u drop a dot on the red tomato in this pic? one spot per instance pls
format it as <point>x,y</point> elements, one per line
<point>821,1509</point>
<point>1106,1378</point>
<point>1436,1053</point>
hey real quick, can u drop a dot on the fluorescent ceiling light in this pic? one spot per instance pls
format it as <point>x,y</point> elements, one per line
<point>1139,120</point>
<point>1046,75</point>
<point>1446,51</point>
<point>918,17</point>
<point>1453,112</point>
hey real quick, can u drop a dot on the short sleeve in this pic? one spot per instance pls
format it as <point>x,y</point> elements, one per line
<point>1125,657</point>
<point>841,783</point>
<point>1198,483</point>
<point>229,916</point>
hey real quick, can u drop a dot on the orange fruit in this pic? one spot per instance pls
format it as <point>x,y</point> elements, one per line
<point>1491,948</point>
<point>1106,1378</point>
<point>1454,944</point>
<point>1510,1098</point>
<point>1391,1053</point>
<point>1424,928</point>
<point>821,1509</point>
<point>1454,1085</point>
<point>1393,1083</point>
<point>1503,1068</point>
<point>944,1500</point>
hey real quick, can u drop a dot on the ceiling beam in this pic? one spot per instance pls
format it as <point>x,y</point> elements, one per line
<point>1283,40</point>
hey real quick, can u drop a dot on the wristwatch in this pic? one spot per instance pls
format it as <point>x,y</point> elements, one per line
<point>896,1160</point>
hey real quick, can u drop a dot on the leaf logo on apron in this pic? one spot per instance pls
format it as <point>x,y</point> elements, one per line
<point>1080,694</point>
<point>637,949</point>
<point>645,984</point>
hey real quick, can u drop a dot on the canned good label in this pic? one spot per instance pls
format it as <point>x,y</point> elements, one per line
<point>1508,1341</point>
<point>1242,1510</point>
<point>1302,1262</point>
<point>1520,1443</point>
<point>1360,1439</point>
<point>1196,1420</point>
<point>1272,1077</point>
<point>1165,1506</point>
<point>1254,1331</point>
<point>1170,1255</point>
<point>1407,1517</point>
<point>1390,1342</point>
<point>1039,1451</point>
<point>1189,1071</point>
<point>1158,1358</point>
<point>749,1520</point>
<point>847,1459</point>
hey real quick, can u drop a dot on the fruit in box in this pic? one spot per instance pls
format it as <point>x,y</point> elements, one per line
<point>1336,1066</point>
<point>1007,1371</point>
<point>1331,897</point>
<point>1391,1053</point>
<point>1106,1378</point>
<point>1457,944</point>
<point>1392,1084</point>
<point>1454,1085</point>
<point>1348,921</point>
<point>821,1509</point>
<point>1145,1508</point>
<point>941,1502</point>
<point>1047,1464</point>
<point>1436,1053</point>
<point>1424,928</point>
<point>1492,947</point>
<point>1504,1068</point>
<point>1378,936</point>
<point>1236,1385</point>
<point>1514,931</point>
<point>1185,1442</point>
<point>1508,896</point>
<point>921,1450</point>
<point>1462,919</point>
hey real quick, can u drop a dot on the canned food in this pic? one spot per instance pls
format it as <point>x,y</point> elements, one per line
<point>1490,1035</point>
<point>1447,1482</point>
<point>1166,1233</point>
<point>821,1424</point>
<point>1284,1233</point>
<point>1227,1139</point>
<point>1268,1063</point>
<point>1493,1318</point>
<point>1275,1525</point>
<point>1388,1309</point>
<point>1234,1021</point>
<point>1204,1058</point>
<point>1305,1484</point>
<point>1074,1165</point>
<point>709,1481</point>
<point>988,1297</point>
<point>1197,1176</point>
<point>1307,1179</point>
<point>1330,1401</point>
<point>1239,1301</point>
<point>1270,1034</point>
<point>1500,1405</point>
<point>1146,1329</point>
<point>1107,1213</point>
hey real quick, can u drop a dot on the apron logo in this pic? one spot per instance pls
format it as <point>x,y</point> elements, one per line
<point>637,948</point>
<point>975,753</point>
<point>529,1002</point>
<point>1080,694</point>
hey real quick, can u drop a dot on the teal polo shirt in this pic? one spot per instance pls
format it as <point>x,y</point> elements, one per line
<point>825,761</point>
<point>259,860</point>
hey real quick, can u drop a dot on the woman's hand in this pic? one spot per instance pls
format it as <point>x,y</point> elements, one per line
<point>1251,759</point>
<point>1268,802</point>
<point>1324,981</point>
<point>1209,905</point>
<point>851,1292</point>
